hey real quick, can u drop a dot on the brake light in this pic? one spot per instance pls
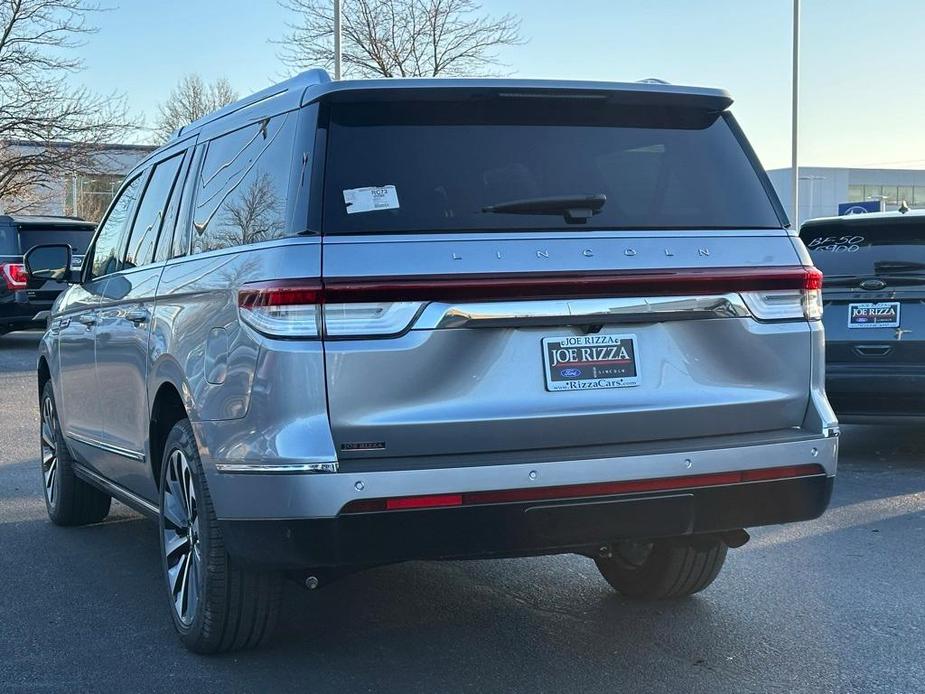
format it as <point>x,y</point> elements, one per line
<point>14,274</point>
<point>568,285</point>
<point>377,307</point>
<point>282,309</point>
<point>786,304</point>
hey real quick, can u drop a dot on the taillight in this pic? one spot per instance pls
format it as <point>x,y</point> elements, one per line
<point>14,274</point>
<point>282,309</point>
<point>293,310</point>
<point>344,308</point>
<point>379,318</point>
<point>804,301</point>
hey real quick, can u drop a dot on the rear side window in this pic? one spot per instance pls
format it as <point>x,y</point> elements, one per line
<point>107,251</point>
<point>150,214</point>
<point>8,245</point>
<point>241,190</point>
<point>861,248</point>
<point>431,166</point>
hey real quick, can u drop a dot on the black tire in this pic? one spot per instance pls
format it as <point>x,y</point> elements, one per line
<point>216,606</point>
<point>68,499</point>
<point>663,569</point>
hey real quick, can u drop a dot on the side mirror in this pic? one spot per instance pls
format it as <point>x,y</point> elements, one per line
<point>49,263</point>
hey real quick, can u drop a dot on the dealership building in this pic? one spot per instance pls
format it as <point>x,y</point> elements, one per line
<point>823,188</point>
<point>85,193</point>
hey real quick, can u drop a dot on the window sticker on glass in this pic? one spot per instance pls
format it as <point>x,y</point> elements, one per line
<point>371,199</point>
<point>836,244</point>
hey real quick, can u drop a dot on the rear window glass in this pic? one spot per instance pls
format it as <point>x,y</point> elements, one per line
<point>8,242</point>
<point>78,239</point>
<point>423,166</point>
<point>864,249</point>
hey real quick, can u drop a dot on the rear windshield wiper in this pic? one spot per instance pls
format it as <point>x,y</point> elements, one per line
<point>577,209</point>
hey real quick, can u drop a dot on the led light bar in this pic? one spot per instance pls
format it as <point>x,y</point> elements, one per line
<point>377,307</point>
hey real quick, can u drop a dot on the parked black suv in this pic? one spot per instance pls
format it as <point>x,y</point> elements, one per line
<point>874,266</point>
<point>21,305</point>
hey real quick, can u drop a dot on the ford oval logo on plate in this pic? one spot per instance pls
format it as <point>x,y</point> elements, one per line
<point>570,373</point>
<point>873,284</point>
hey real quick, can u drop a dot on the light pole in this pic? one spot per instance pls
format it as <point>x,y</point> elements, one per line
<point>337,40</point>
<point>812,185</point>
<point>881,198</point>
<point>794,115</point>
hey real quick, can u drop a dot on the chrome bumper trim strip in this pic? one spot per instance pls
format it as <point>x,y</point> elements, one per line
<point>293,468</point>
<point>567,311</point>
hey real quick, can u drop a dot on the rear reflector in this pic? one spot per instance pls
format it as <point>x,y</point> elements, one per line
<point>432,501</point>
<point>577,491</point>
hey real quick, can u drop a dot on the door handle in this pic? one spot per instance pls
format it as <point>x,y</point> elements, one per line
<point>136,315</point>
<point>873,350</point>
<point>87,319</point>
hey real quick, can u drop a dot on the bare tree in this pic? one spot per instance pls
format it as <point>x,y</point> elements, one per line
<point>255,215</point>
<point>49,128</point>
<point>91,207</point>
<point>190,100</point>
<point>252,214</point>
<point>399,38</point>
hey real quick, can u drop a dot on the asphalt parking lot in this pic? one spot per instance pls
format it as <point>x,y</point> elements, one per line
<point>834,605</point>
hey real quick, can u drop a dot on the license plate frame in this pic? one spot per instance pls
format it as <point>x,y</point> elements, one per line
<point>880,314</point>
<point>611,361</point>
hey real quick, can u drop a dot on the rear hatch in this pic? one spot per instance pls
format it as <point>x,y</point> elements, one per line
<point>26,232</point>
<point>873,295</point>
<point>511,272</point>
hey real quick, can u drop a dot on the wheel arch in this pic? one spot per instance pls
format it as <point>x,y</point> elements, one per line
<point>166,410</point>
<point>43,373</point>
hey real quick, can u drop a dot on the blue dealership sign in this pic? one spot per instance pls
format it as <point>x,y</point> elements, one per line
<point>858,207</point>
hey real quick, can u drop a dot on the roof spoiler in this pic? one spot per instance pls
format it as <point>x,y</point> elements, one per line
<point>300,82</point>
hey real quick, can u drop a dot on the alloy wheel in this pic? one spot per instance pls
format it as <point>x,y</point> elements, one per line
<point>49,451</point>
<point>180,528</point>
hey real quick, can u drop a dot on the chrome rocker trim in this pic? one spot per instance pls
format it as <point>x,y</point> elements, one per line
<point>108,447</point>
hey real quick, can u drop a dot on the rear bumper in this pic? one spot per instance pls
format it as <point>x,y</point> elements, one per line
<point>18,310</point>
<point>886,391</point>
<point>505,530</point>
<point>296,520</point>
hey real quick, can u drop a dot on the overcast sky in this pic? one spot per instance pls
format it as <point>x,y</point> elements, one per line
<point>862,59</point>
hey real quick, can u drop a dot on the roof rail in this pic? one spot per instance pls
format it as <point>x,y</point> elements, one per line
<point>302,81</point>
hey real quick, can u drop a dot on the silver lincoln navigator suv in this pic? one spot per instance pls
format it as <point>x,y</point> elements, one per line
<point>340,324</point>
